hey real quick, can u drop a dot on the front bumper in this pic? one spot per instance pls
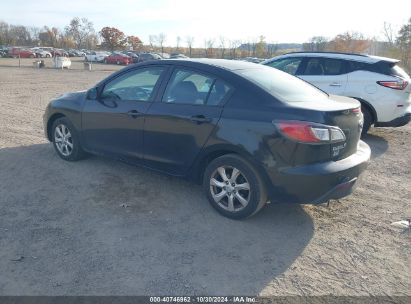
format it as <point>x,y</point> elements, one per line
<point>398,122</point>
<point>318,183</point>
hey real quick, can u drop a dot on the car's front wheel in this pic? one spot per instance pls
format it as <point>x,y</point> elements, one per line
<point>233,187</point>
<point>66,140</point>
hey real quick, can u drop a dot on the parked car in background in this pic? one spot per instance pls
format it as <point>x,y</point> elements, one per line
<point>59,53</point>
<point>382,87</point>
<point>133,55</point>
<point>142,57</point>
<point>40,53</point>
<point>249,133</point>
<point>118,58</point>
<point>96,56</point>
<point>17,52</point>
<point>178,56</point>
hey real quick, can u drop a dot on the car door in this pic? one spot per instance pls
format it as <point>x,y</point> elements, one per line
<point>112,124</point>
<point>328,74</point>
<point>178,124</point>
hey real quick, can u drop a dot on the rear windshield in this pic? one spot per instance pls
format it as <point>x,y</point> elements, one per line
<point>283,86</point>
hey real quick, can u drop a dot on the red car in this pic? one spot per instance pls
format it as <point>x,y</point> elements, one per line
<point>118,58</point>
<point>22,53</point>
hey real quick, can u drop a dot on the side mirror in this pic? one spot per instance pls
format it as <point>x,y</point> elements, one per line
<point>92,94</point>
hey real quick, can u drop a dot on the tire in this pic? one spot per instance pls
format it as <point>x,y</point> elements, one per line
<point>105,61</point>
<point>73,153</point>
<point>368,120</point>
<point>215,184</point>
<point>118,62</point>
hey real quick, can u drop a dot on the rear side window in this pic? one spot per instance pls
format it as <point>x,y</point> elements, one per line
<point>333,66</point>
<point>325,66</point>
<point>288,65</point>
<point>190,87</point>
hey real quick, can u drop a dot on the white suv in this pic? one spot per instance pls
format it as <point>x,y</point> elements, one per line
<point>382,87</point>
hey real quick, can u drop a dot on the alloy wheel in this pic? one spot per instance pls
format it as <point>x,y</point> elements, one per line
<point>230,188</point>
<point>63,140</point>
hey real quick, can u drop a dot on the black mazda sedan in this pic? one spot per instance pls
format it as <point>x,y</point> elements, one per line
<point>249,133</point>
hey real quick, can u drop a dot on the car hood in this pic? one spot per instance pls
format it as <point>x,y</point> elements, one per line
<point>73,95</point>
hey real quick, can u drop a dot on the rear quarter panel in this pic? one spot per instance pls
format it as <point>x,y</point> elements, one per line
<point>363,85</point>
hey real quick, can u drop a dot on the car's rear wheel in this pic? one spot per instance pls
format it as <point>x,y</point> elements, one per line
<point>233,187</point>
<point>367,120</point>
<point>66,140</point>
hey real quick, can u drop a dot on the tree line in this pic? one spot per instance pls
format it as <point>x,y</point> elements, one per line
<point>80,34</point>
<point>396,44</point>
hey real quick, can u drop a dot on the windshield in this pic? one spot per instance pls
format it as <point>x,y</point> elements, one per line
<point>283,86</point>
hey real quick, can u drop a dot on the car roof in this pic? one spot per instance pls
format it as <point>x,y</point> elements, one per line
<point>231,65</point>
<point>348,56</point>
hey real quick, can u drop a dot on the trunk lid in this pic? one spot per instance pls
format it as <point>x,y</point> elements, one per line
<point>334,111</point>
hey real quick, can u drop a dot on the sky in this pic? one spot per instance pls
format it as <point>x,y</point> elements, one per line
<point>278,21</point>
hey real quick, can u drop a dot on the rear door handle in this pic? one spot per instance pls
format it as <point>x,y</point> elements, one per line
<point>134,113</point>
<point>200,119</point>
<point>335,84</point>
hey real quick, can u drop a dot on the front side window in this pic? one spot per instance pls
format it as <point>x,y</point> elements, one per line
<point>314,67</point>
<point>190,87</point>
<point>135,85</point>
<point>288,65</point>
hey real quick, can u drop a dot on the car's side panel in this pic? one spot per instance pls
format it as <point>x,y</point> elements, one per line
<point>388,103</point>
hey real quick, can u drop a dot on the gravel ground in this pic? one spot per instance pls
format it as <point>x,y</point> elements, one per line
<point>100,227</point>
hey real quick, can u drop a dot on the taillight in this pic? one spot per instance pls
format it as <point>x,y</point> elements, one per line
<point>308,132</point>
<point>396,85</point>
<point>356,110</point>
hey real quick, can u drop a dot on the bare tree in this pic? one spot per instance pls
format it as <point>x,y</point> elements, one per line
<point>316,44</point>
<point>178,41</point>
<point>80,30</point>
<point>222,46</point>
<point>161,38</point>
<point>388,33</point>
<point>208,47</point>
<point>152,41</point>
<point>234,44</point>
<point>272,47</point>
<point>190,42</point>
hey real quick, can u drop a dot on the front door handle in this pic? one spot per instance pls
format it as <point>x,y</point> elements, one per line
<point>200,119</point>
<point>335,84</point>
<point>134,113</point>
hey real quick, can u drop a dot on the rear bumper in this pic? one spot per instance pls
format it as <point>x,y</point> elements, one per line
<point>398,122</point>
<point>318,183</point>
